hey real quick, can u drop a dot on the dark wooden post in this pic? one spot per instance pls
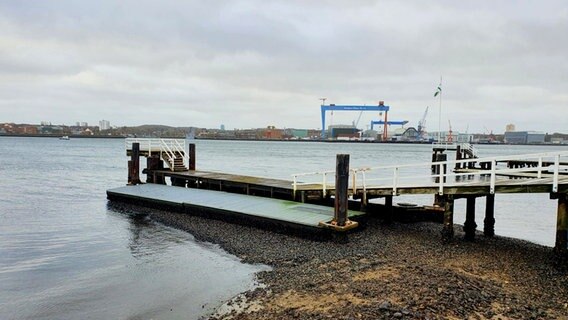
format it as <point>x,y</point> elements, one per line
<point>129,171</point>
<point>469,226</point>
<point>135,158</point>
<point>341,185</point>
<point>153,163</point>
<point>489,221</point>
<point>389,209</point>
<point>192,156</point>
<point>561,245</point>
<point>434,156</point>
<point>448,229</point>
<point>458,157</point>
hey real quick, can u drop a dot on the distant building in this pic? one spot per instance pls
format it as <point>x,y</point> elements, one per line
<point>524,137</point>
<point>45,123</point>
<point>84,124</point>
<point>222,127</point>
<point>104,125</point>
<point>272,132</point>
<point>510,127</point>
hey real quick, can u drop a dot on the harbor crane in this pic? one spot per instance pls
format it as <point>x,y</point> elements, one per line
<point>422,125</point>
<point>355,124</point>
<point>332,107</point>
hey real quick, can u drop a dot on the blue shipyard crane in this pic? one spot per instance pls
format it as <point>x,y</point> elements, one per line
<point>332,107</point>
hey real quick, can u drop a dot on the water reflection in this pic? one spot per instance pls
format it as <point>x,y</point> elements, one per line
<point>147,238</point>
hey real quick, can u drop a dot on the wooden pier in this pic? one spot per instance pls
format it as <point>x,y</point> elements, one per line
<point>471,178</point>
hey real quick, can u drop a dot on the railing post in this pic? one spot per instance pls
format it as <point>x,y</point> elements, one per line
<point>395,181</point>
<point>539,174</point>
<point>294,186</point>
<point>441,178</point>
<point>354,182</point>
<point>492,183</point>
<point>324,187</point>
<point>556,173</point>
<point>341,186</point>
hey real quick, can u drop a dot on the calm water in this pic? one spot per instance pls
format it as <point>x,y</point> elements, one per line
<point>65,254</point>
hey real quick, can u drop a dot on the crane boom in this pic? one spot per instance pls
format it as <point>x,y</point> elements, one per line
<point>422,124</point>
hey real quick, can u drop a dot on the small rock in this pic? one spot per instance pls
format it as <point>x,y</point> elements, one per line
<point>385,305</point>
<point>397,315</point>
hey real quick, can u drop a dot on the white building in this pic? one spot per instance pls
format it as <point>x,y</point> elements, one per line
<point>104,125</point>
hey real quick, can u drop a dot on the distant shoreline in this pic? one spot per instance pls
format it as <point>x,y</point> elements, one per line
<point>271,140</point>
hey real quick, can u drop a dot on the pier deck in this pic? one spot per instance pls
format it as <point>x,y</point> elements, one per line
<point>229,194</point>
<point>279,188</point>
<point>215,202</point>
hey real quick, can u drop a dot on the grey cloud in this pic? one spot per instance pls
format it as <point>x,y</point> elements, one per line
<point>254,63</point>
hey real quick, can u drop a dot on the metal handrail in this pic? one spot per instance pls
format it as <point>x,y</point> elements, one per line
<point>441,178</point>
<point>170,147</point>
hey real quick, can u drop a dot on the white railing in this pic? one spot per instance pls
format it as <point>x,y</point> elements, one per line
<point>169,147</point>
<point>470,148</point>
<point>420,174</point>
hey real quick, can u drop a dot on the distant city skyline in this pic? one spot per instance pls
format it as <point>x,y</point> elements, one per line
<point>249,64</point>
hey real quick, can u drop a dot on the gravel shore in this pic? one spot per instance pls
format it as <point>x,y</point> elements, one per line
<point>389,271</point>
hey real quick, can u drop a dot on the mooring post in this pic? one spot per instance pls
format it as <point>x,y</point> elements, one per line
<point>129,172</point>
<point>561,246</point>
<point>469,226</point>
<point>192,156</point>
<point>153,163</point>
<point>448,229</point>
<point>489,221</point>
<point>389,209</point>
<point>135,158</point>
<point>341,185</point>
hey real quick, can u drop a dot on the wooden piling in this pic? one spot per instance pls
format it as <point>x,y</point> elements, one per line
<point>192,156</point>
<point>489,221</point>
<point>469,226</point>
<point>389,209</point>
<point>153,163</point>
<point>129,171</point>
<point>341,185</point>
<point>135,164</point>
<point>561,246</point>
<point>448,229</point>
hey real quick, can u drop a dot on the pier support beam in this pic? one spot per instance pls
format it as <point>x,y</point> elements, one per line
<point>134,165</point>
<point>154,163</point>
<point>192,156</point>
<point>561,246</point>
<point>341,185</point>
<point>389,209</point>
<point>458,157</point>
<point>489,221</point>
<point>469,226</point>
<point>448,229</point>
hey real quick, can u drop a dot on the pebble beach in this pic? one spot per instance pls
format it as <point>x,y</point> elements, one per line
<point>386,271</point>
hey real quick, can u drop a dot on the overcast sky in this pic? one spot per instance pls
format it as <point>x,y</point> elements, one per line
<point>257,63</point>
